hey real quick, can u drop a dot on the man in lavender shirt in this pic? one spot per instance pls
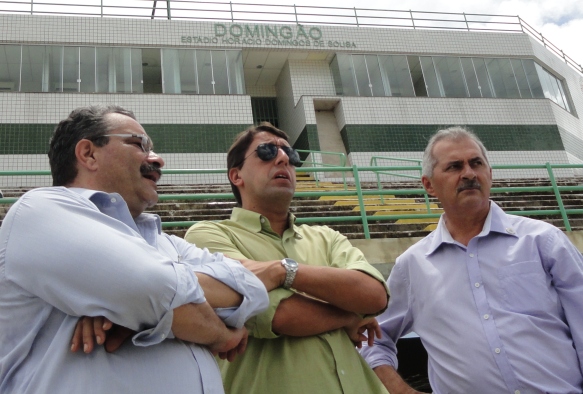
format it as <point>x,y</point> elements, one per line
<point>496,299</point>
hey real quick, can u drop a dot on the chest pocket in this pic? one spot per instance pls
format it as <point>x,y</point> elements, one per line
<point>526,288</point>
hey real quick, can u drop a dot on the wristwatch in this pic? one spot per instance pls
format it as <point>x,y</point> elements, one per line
<point>291,267</point>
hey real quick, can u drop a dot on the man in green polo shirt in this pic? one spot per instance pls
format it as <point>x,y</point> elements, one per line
<point>322,291</point>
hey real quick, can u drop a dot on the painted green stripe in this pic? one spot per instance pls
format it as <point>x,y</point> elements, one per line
<point>413,138</point>
<point>213,138</point>
<point>192,138</point>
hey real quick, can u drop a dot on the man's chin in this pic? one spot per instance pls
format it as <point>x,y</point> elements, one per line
<point>151,199</point>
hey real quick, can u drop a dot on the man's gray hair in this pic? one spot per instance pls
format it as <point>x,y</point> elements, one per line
<point>455,133</point>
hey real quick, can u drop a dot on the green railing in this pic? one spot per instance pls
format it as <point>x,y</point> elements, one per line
<point>360,193</point>
<point>374,163</point>
<point>314,163</point>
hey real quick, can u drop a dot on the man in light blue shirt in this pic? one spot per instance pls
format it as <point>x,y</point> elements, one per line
<point>496,299</point>
<point>85,248</point>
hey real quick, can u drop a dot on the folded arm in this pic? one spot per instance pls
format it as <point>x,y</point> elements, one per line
<point>339,281</point>
<point>302,316</point>
<point>393,381</point>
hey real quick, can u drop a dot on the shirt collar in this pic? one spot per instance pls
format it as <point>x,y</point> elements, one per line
<point>100,199</point>
<point>497,221</point>
<point>257,223</point>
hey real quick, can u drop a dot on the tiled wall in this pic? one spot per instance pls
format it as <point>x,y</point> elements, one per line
<point>146,32</point>
<point>190,131</point>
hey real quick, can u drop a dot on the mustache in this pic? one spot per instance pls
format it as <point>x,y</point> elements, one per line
<point>146,169</point>
<point>469,185</point>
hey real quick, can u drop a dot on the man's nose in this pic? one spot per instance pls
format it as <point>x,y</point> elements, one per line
<point>154,158</point>
<point>468,172</point>
<point>281,156</point>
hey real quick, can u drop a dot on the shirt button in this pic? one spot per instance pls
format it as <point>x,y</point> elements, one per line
<point>471,255</point>
<point>516,391</point>
<point>497,350</point>
<point>477,284</point>
<point>342,371</point>
<point>486,316</point>
<point>113,199</point>
<point>262,220</point>
<point>163,336</point>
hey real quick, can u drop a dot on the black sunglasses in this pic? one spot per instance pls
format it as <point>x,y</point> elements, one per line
<point>268,152</point>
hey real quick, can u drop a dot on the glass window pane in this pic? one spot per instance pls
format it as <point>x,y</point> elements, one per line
<point>417,76</point>
<point>123,72</point>
<point>450,74</point>
<point>137,75</point>
<point>485,83</point>
<point>386,66</point>
<point>151,70</point>
<point>105,70</point>
<point>9,68</point>
<point>520,75</point>
<point>170,71</point>
<point>503,79</point>
<point>361,73</point>
<point>496,77</point>
<point>396,71</point>
<point>41,68</point>
<point>184,71</point>
<point>532,77</point>
<point>87,67</point>
<point>205,72</point>
<point>559,98</point>
<point>374,73</point>
<point>235,68</point>
<point>549,87</point>
<point>71,69</point>
<point>220,72</point>
<point>335,70</point>
<point>55,58</point>
<point>563,95</point>
<point>343,75</point>
<point>470,77</point>
<point>430,77</point>
<point>114,70</point>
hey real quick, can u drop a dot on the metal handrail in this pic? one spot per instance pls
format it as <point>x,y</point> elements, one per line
<point>341,156</point>
<point>296,14</point>
<point>360,193</point>
<point>373,162</point>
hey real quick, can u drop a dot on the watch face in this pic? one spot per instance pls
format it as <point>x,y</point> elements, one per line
<point>291,262</point>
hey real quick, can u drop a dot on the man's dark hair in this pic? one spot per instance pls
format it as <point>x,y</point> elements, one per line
<point>82,123</point>
<point>243,140</point>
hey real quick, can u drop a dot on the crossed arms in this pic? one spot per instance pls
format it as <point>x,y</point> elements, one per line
<point>328,296</point>
<point>87,263</point>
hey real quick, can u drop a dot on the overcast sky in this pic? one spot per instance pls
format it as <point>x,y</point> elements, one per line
<point>560,21</point>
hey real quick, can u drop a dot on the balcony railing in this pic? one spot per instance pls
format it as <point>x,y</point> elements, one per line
<point>290,14</point>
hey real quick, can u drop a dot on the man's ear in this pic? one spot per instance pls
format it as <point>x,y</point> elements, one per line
<point>428,185</point>
<point>85,154</point>
<point>235,177</point>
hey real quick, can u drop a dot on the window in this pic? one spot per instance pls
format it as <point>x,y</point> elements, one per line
<point>10,68</point>
<point>396,76</point>
<point>450,75</point>
<point>41,68</point>
<point>431,82</point>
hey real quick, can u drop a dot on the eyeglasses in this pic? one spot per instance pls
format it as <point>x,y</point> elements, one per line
<point>145,142</point>
<point>268,152</point>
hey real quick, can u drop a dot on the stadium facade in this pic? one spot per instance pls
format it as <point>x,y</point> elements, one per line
<point>363,90</point>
